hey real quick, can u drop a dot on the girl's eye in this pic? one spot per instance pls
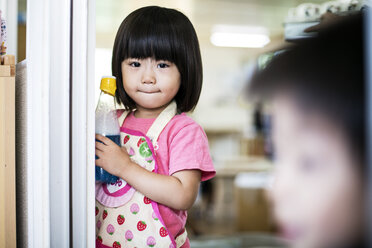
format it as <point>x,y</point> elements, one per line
<point>135,64</point>
<point>163,65</point>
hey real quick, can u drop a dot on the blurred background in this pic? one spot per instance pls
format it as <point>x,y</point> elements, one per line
<point>232,209</point>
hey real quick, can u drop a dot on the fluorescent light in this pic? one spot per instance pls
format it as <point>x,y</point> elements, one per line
<point>239,40</point>
<point>239,36</point>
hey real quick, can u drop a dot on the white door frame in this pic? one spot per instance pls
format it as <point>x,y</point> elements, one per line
<point>37,119</point>
<point>60,123</point>
<point>83,124</point>
<point>47,118</point>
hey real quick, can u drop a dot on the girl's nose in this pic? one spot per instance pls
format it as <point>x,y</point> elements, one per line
<point>148,76</point>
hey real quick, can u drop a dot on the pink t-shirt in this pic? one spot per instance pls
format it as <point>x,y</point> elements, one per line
<point>183,145</point>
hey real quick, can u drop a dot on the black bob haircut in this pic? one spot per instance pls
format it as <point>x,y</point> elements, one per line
<point>162,34</point>
<point>323,74</point>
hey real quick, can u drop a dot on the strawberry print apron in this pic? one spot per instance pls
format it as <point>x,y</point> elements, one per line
<point>124,216</point>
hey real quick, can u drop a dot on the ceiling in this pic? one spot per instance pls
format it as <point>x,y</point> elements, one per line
<point>203,14</point>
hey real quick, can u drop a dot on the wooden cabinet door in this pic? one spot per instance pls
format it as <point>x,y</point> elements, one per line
<point>7,163</point>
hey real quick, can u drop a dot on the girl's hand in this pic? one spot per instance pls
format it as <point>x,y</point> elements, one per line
<point>177,191</point>
<point>111,157</point>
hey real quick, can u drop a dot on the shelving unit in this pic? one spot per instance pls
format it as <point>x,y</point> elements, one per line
<point>7,156</point>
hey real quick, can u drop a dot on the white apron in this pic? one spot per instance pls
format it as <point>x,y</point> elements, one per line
<point>124,216</point>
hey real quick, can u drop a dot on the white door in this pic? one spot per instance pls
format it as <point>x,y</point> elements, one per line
<point>59,122</point>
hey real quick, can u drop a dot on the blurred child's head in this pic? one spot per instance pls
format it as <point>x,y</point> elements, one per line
<point>160,34</point>
<point>316,90</point>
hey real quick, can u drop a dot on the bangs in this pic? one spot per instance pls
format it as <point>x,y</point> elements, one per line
<point>148,39</point>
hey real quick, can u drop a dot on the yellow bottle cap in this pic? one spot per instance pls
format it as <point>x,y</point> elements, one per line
<point>108,85</point>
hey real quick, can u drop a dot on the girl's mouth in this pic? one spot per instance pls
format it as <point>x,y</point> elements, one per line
<point>148,92</point>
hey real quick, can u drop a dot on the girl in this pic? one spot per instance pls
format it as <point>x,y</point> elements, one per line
<point>164,153</point>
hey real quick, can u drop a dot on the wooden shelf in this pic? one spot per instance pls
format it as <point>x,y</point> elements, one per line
<point>7,158</point>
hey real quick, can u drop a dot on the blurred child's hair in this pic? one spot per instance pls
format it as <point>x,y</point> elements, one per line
<point>161,34</point>
<point>324,74</point>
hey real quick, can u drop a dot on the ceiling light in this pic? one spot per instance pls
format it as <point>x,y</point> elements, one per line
<point>239,36</point>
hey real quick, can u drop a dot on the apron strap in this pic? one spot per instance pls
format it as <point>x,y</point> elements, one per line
<point>159,124</point>
<point>161,121</point>
<point>181,239</point>
<point>122,118</point>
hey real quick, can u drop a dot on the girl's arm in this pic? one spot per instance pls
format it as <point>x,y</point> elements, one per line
<point>177,191</point>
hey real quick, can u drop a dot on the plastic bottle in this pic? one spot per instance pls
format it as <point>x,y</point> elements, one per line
<point>107,122</point>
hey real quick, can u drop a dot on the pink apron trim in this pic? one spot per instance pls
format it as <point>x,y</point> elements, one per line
<point>110,201</point>
<point>100,245</point>
<point>117,193</point>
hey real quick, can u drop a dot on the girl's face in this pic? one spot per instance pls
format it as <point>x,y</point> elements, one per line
<point>151,84</point>
<point>317,191</point>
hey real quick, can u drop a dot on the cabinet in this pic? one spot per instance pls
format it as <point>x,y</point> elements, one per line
<point>7,157</point>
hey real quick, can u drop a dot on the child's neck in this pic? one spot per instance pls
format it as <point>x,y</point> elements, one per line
<point>148,113</point>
